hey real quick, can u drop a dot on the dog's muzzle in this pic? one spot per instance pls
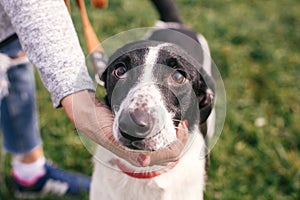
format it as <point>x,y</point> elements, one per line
<point>142,120</point>
<point>139,124</point>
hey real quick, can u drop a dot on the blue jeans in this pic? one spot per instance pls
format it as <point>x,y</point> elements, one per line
<point>18,117</point>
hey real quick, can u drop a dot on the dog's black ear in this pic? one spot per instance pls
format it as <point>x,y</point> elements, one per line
<point>206,106</point>
<point>206,96</point>
<point>104,79</point>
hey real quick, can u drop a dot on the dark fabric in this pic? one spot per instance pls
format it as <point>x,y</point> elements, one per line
<point>167,10</point>
<point>8,40</point>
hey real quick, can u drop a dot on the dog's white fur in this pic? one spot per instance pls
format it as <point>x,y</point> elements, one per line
<point>186,181</point>
<point>146,92</point>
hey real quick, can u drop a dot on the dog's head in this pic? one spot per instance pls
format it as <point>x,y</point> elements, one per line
<point>151,86</point>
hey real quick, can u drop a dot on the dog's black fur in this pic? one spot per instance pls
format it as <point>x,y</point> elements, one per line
<point>186,59</point>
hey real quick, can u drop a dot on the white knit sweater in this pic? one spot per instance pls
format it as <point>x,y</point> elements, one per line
<point>50,41</point>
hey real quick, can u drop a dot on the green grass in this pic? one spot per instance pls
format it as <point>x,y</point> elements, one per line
<point>256,46</point>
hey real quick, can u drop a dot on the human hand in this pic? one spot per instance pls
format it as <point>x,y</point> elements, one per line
<point>168,154</point>
<point>141,158</point>
<point>95,120</point>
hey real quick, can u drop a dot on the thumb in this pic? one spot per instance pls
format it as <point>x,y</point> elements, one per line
<point>169,154</point>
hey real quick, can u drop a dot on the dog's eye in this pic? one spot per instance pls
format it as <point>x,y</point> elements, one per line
<point>120,70</point>
<point>178,77</point>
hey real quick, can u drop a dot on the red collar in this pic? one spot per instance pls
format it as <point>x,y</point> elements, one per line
<point>144,175</point>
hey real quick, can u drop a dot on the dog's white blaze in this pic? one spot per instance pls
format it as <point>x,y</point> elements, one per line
<point>146,92</point>
<point>150,61</point>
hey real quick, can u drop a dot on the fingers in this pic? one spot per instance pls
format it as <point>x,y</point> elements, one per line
<point>142,158</point>
<point>96,121</point>
<point>169,154</point>
<point>182,131</point>
<point>161,157</point>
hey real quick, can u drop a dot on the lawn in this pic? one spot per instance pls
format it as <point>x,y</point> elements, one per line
<point>256,46</point>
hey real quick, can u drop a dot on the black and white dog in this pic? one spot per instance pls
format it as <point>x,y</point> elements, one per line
<point>151,86</point>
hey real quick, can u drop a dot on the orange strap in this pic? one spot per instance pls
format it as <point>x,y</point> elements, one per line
<point>94,47</point>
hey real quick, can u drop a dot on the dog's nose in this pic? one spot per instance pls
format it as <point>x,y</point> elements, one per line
<point>141,118</point>
<point>135,125</point>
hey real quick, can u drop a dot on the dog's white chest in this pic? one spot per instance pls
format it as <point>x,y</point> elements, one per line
<point>185,181</point>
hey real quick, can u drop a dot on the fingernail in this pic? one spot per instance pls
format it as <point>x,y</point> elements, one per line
<point>186,123</point>
<point>143,160</point>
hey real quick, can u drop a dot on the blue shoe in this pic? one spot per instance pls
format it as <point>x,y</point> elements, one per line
<point>55,182</point>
